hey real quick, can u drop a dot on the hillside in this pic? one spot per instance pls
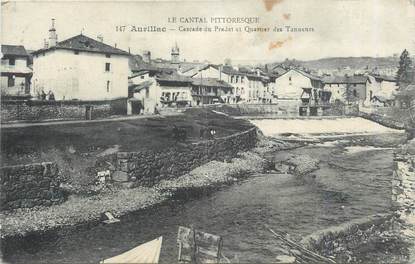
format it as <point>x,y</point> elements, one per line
<point>341,62</point>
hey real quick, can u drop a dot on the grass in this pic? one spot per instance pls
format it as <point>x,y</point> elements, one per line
<point>131,135</point>
<point>76,148</point>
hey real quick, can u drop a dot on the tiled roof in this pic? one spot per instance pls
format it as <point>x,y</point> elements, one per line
<point>212,82</point>
<point>381,78</point>
<point>230,70</point>
<point>134,61</point>
<point>138,87</point>
<point>84,43</point>
<point>306,74</point>
<point>14,50</point>
<point>174,78</point>
<point>309,75</point>
<point>278,70</point>
<point>354,79</point>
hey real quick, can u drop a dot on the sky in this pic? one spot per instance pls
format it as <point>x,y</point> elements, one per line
<point>342,28</point>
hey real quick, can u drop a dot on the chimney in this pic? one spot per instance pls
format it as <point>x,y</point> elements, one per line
<point>53,37</point>
<point>100,38</point>
<point>129,51</point>
<point>115,45</point>
<point>147,56</point>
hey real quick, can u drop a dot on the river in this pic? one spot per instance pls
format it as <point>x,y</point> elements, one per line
<point>353,180</point>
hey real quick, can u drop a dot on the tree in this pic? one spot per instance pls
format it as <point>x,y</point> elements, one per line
<point>228,62</point>
<point>403,76</point>
<point>349,94</point>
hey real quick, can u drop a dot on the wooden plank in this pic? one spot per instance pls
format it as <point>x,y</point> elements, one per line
<point>305,253</point>
<point>195,245</point>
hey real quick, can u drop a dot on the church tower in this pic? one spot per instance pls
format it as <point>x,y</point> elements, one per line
<point>175,54</point>
<point>53,37</point>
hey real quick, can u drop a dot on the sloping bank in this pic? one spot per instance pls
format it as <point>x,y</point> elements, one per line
<point>81,210</point>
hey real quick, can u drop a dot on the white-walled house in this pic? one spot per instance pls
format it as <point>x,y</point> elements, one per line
<point>15,73</point>
<point>145,89</point>
<point>81,68</point>
<point>380,90</point>
<point>290,84</point>
<point>175,89</point>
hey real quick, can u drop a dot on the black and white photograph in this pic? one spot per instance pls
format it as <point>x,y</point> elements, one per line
<point>207,131</point>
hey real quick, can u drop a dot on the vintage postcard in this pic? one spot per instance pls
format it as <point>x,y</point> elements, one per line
<point>207,131</point>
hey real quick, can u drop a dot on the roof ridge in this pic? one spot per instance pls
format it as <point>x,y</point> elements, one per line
<point>79,42</point>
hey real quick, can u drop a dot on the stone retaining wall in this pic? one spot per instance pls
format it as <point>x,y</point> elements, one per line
<point>281,107</point>
<point>27,110</point>
<point>382,120</point>
<point>403,198</point>
<point>148,167</point>
<point>343,240</point>
<point>26,186</point>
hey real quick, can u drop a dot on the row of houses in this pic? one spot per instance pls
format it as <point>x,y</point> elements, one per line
<point>83,68</point>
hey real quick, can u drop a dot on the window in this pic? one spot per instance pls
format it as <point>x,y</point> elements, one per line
<point>289,78</point>
<point>10,81</point>
<point>108,86</point>
<point>107,67</point>
<point>354,93</point>
<point>142,76</point>
<point>12,61</point>
<point>76,52</point>
<point>108,55</point>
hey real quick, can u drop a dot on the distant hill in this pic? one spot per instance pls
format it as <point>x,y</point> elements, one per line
<point>342,62</point>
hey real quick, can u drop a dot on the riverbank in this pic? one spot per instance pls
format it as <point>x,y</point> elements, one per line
<point>80,210</point>
<point>368,239</point>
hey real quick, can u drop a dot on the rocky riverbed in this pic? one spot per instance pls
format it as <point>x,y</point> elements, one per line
<point>80,209</point>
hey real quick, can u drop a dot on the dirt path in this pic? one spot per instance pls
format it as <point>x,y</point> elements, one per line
<point>60,122</point>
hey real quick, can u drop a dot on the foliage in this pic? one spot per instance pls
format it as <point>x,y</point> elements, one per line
<point>403,75</point>
<point>349,94</point>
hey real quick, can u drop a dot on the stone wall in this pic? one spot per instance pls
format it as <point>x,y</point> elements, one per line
<point>148,167</point>
<point>344,240</point>
<point>27,110</point>
<point>26,186</point>
<point>403,198</point>
<point>282,107</point>
<point>382,120</point>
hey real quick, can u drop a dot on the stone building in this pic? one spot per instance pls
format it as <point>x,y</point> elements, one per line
<point>175,54</point>
<point>15,71</point>
<point>80,68</point>
<point>248,86</point>
<point>210,91</point>
<point>346,89</point>
<point>290,84</point>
